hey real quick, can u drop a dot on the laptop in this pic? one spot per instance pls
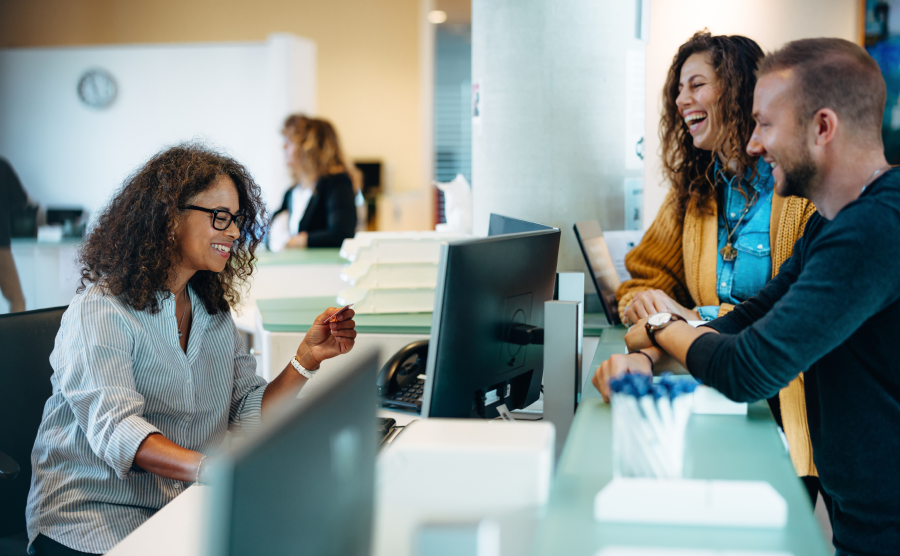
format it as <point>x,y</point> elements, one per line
<point>601,266</point>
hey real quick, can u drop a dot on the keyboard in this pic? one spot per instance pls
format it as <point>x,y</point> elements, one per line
<point>409,397</point>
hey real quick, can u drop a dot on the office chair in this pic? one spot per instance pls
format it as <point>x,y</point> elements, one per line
<point>26,340</point>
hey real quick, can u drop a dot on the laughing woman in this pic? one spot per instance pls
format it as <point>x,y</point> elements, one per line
<point>721,232</point>
<point>149,369</point>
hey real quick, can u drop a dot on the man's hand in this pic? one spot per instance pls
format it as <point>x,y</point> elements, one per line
<point>616,365</point>
<point>637,338</point>
<point>651,302</point>
<point>324,341</point>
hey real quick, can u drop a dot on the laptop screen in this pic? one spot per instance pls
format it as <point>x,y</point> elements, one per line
<point>601,266</point>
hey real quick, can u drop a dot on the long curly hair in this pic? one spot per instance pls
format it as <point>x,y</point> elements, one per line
<point>130,251</point>
<point>319,148</point>
<point>689,170</point>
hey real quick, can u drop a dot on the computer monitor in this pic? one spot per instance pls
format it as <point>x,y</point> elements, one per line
<point>500,225</point>
<point>305,483</point>
<point>489,292</point>
<point>601,266</point>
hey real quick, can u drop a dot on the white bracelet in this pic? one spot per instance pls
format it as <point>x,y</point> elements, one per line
<point>199,465</point>
<point>301,369</point>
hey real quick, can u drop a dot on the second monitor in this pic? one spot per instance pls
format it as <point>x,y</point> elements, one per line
<point>485,347</point>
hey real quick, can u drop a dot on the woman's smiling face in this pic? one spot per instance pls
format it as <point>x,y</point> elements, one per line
<point>202,247</point>
<point>698,93</point>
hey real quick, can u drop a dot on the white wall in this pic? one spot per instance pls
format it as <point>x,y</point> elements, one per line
<point>233,95</point>
<point>771,23</point>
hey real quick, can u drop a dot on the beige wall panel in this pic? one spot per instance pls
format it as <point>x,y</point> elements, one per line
<point>369,62</point>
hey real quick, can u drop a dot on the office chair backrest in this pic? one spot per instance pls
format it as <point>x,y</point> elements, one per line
<point>26,340</point>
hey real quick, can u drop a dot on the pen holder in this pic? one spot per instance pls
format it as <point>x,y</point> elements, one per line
<point>649,423</point>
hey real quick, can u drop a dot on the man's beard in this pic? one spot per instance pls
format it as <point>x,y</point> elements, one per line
<point>801,177</point>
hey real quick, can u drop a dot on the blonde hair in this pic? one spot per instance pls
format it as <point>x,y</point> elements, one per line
<point>318,149</point>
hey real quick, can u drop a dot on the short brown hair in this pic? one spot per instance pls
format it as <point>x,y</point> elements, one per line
<point>835,74</point>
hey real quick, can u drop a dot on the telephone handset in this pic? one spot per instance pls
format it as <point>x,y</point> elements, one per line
<point>398,381</point>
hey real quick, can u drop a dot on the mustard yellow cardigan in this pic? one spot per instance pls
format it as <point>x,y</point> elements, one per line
<point>679,256</point>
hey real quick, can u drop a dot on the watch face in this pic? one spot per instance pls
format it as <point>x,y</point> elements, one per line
<point>659,319</point>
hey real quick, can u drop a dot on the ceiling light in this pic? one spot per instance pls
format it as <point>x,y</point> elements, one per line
<point>437,17</point>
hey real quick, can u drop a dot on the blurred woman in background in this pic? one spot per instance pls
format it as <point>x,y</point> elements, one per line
<point>12,198</point>
<point>319,210</point>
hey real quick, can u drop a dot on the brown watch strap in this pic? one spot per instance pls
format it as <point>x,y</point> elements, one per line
<point>651,330</point>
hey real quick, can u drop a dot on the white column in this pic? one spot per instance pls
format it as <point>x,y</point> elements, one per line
<point>552,140</point>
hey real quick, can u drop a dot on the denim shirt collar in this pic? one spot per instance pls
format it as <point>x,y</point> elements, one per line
<point>763,181</point>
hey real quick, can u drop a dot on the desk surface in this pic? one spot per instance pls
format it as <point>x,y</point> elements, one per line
<point>296,314</point>
<point>719,447</point>
<point>316,255</point>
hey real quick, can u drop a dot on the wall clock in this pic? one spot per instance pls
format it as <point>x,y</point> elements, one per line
<point>97,88</point>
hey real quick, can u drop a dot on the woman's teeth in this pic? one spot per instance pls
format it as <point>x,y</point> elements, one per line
<point>222,248</point>
<point>693,120</point>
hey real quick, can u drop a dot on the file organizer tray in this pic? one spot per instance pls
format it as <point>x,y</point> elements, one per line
<point>388,300</point>
<point>390,275</point>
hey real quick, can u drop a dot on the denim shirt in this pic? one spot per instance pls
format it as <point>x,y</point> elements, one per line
<point>741,278</point>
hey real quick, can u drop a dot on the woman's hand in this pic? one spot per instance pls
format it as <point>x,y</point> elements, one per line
<point>322,341</point>
<point>650,302</point>
<point>299,241</point>
<point>326,340</point>
<point>616,365</point>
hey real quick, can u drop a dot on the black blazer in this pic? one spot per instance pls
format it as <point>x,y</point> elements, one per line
<point>330,216</point>
<point>12,198</point>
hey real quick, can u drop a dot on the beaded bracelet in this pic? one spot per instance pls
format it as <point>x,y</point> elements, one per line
<point>645,355</point>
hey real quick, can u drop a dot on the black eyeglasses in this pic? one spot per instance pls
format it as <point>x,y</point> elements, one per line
<point>221,218</point>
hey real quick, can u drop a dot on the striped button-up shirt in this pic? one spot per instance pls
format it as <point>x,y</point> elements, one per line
<point>120,375</point>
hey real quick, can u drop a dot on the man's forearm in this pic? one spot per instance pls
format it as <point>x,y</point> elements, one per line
<point>676,339</point>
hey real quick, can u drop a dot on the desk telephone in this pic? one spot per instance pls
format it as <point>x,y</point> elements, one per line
<point>402,379</point>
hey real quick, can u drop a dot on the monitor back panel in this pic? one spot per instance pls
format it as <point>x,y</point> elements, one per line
<point>304,485</point>
<point>485,287</point>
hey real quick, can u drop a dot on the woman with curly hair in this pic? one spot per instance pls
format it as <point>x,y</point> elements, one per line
<point>721,232</point>
<point>149,369</point>
<point>319,210</point>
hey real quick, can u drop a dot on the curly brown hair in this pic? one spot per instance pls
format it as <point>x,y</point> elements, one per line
<point>130,252</point>
<point>691,171</point>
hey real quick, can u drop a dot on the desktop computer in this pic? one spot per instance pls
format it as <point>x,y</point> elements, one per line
<point>485,349</point>
<point>305,483</point>
<point>500,225</point>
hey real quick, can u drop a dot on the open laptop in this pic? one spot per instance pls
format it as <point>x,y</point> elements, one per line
<point>305,483</point>
<point>601,266</point>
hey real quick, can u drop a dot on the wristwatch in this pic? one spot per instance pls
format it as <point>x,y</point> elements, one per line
<point>308,373</point>
<point>658,322</point>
